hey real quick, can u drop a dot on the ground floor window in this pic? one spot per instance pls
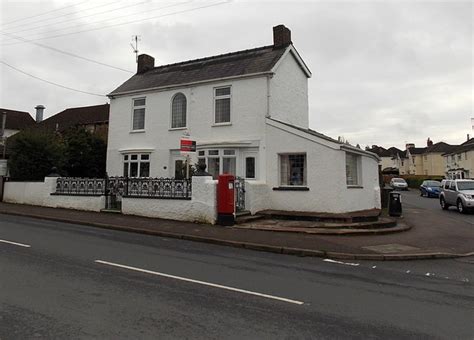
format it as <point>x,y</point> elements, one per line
<point>293,169</point>
<point>219,161</point>
<point>136,165</point>
<point>250,167</point>
<point>352,169</point>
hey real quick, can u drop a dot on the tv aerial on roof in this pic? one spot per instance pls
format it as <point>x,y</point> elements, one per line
<point>134,44</point>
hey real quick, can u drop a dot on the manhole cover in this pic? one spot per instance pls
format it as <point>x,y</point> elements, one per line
<point>391,248</point>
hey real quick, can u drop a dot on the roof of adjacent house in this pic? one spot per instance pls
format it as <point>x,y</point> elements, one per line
<point>440,147</point>
<point>77,116</point>
<point>382,152</point>
<point>417,151</point>
<point>241,63</point>
<point>17,120</point>
<point>466,146</point>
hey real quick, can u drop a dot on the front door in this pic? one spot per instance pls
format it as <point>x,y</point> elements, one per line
<point>178,166</point>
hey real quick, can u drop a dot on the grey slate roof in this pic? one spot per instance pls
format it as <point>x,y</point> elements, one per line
<point>17,120</point>
<point>234,64</point>
<point>417,151</point>
<point>76,116</point>
<point>440,147</point>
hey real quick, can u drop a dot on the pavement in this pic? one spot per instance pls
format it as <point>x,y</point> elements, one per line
<point>68,281</point>
<point>433,234</point>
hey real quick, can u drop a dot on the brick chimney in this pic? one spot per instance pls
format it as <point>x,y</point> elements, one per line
<point>39,113</point>
<point>145,63</point>
<point>281,36</point>
<point>429,142</point>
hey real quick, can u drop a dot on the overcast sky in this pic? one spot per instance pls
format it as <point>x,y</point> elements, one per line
<point>384,72</point>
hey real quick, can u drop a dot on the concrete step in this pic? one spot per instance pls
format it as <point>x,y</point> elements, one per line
<point>247,218</point>
<point>112,211</point>
<point>351,217</point>
<point>380,228</point>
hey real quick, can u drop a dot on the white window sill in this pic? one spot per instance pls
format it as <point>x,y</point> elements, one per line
<point>137,131</point>
<point>222,124</point>
<point>178,128</point>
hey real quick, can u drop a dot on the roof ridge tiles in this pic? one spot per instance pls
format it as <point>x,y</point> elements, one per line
<point>211,57</point>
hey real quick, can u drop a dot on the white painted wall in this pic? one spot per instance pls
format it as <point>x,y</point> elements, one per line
<point>326,176</point>
<point>248,109</point>
<point>256,196</point>
<point>201,208</point>
<point>289,93</point>
<point>39,193</point>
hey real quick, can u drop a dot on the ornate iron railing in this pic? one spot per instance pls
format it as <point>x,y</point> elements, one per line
<point>80,186</point>
<point>239,194</point>
<point>125,187</point>
<point>151,187</point>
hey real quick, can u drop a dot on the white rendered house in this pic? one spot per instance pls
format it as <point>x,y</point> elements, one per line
<point>248,113</point>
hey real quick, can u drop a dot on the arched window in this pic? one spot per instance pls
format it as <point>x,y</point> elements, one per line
<point>178,111</point>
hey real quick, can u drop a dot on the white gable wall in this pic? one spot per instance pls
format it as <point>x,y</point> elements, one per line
<point>289,92</point>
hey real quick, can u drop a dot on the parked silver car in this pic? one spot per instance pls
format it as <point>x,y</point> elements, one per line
<point>398,183</point>
<point>459,193</point>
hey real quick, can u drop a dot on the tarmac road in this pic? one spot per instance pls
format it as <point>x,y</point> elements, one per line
<point>65,281</point>
<point>412,200</point>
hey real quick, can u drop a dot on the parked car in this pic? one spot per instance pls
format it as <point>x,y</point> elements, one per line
<point>459,193</point>
<point>430,188</point>
<point>398,183</point>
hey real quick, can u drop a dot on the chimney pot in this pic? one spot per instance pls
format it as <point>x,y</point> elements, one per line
<point>429,142</point>
<point>145,63</point>
<point>281,36</point>
<point>39,113</point>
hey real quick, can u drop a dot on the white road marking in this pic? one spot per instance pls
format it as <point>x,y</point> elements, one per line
<point>16,244</point>
<point>296,302</point>
<point>339,262</point>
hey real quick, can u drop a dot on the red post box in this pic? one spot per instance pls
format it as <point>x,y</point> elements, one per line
<point>226,200</point>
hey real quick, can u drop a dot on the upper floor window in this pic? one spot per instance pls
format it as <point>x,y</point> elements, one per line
<point>222,97</point>
<point>138,115</point>
<point>178,111</point>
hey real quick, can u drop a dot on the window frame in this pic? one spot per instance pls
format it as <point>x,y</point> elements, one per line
<point>185,113</point>
<point>305,170</point>
<point>215,98</point>
<point>132,130</point>
<point>220,155</point>
<point>358,160</point>
<point>127,159</point>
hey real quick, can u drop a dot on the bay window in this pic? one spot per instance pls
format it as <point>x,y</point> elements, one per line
<point>136,165</point>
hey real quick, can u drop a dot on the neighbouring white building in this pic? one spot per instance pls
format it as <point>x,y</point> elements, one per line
<point>248,113</point>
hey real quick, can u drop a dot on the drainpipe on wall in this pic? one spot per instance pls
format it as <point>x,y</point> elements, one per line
<point>268,97</point>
